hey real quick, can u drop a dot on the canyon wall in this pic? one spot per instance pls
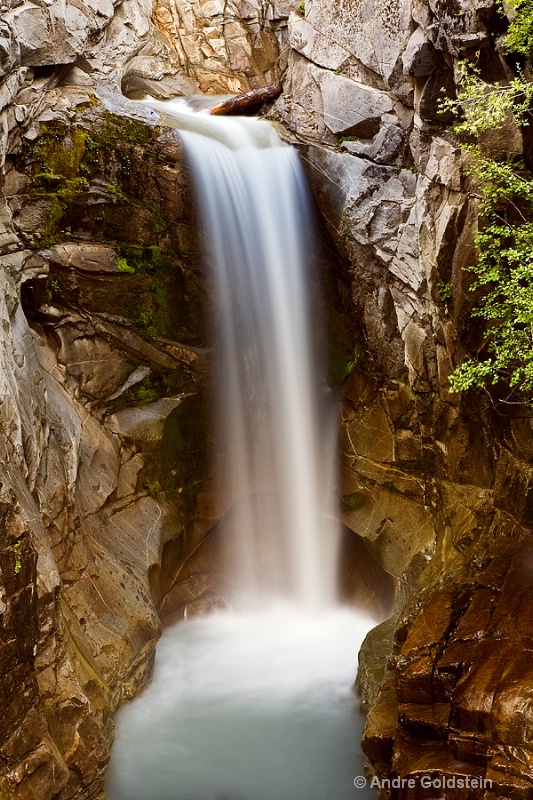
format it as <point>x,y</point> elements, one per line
<point>107,509</point>
<point>437,482</point>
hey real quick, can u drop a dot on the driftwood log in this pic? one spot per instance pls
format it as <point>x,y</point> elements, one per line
<point>248,102</point>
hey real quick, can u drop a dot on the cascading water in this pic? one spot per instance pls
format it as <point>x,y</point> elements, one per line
<point>275,476</point>
<point>254,703</point>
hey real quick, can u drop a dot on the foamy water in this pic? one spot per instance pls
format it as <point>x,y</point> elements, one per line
<point>246,707</point>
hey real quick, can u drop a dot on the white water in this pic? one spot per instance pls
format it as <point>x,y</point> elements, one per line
<point>246,707</point>
<point>276,464</point>
<point>257,704</point>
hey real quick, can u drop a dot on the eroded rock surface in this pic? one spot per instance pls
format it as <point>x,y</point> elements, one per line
<point>227,47</point>
<point>430,478</point>
<point>102,342</point>
<point>456,698</point>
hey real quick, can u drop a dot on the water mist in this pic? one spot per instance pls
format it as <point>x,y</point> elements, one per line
<point>255,703</point>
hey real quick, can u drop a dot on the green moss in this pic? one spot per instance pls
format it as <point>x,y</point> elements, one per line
<point>59,172</point>
<point>347,139</point>
<point>116,189</point>
<point>405,418</point>
<point>18,562</point>
<point>153,487</point>
<point>146,260</point>
<point>91,102</point>
<point>147,320</point>
<point>160,223</point>
<point>154,316</point>
<point>146,394</point>
<point>184,456</point>
<point>128,130</point>
<point>343,364</point>
<point>123,266</point>
<point>55,215</point>
<point>64,160</point>
<point>125,164</point>
<point>60,157</point>
<point>148,390</point>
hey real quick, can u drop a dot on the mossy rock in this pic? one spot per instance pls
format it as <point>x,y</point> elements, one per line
<point>100,176</point>
<point>169,304</point>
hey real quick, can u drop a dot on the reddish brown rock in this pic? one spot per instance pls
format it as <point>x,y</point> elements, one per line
<point>464,677</point>
<point>426,720</point>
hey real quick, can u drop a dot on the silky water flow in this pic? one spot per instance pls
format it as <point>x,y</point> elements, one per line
<point>255,702</point>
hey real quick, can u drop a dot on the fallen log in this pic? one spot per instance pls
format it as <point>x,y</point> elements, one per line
<point>248,102</point>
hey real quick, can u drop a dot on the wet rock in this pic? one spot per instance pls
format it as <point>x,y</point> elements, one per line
<point>84,255</point>
<point>381,727</point>
<point>144,424</point>
<point>372,463</point>
<point>513,487</point>
<point>77,358</point>
<point>462,677</point>
<point>373,658</point>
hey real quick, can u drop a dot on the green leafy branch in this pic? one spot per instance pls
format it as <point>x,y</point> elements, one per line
<point>520,34</point>
<point>480,106</point>
<point>504,268</point>
<point>18,561</point>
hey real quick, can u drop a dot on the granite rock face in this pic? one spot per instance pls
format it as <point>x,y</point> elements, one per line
<point>227,47</point>
<point>455,704</point>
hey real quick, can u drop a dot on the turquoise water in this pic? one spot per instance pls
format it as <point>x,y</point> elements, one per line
<point>246,707</point>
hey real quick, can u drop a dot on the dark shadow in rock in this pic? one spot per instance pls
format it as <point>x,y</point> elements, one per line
<point>363,582</point>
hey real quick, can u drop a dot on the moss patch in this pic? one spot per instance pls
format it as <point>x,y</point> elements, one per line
<point>64,162</point>
<point>344,362</point>
<point>147,260</point>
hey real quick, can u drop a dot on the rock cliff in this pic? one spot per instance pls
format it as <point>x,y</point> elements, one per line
<point>105,501</point>
<point>437,482</point>
<point>103,347</point>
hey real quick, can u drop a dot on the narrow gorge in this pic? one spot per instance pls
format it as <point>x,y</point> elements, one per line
<point>111,518</point>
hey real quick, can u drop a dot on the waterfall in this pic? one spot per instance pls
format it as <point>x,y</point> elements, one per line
<point>255,703</point>
<point>276,464</point>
